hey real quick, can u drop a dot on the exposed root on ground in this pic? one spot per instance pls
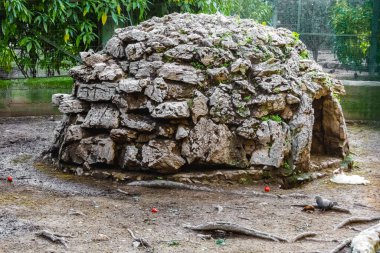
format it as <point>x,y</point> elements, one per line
<point>54,237</point>
<point>334,208</point>
<point>341,246</point>
<point>176,185</point>
<point>235,228</point>
<point>302,236</point>
<point>356,219</point>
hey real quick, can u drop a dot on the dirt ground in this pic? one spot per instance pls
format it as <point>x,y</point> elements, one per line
<point>97,216</point>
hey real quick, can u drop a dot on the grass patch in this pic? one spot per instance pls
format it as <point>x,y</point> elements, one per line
<point>41,82</point>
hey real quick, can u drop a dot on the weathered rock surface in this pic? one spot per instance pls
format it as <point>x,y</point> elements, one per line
<point>191,91</point>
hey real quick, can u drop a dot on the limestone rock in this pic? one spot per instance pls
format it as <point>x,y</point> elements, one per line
<point>133,35</point>
<point>90,58</point>
<point>115,48</point>
<point>135,52</point>
<point>162,156</point>
<point>72,105</point>
<point>171,110</point>
<point>111,73</point>
<point>130,159</point>
<point>158,90</point>
<point>130,85</point>
<point>56,99</point>
<point>102,116</point>
<point>199,107</point>
<point>181,73</point>
<point>275,140</point>
<point>96,92</point>
<point>218,147</point>
<point>138,122</point>
<point>182,132</point>
<point>97,150</point>
<point>193,91</point>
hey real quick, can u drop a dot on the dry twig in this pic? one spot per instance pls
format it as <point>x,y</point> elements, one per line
<point>356,219</point>
<point>235,228</point>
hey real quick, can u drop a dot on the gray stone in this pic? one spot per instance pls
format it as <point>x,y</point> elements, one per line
<point>181,73</point>
<point>75,133</point>
<point>162,156</point>
<point>275,144</point>
<point>130,85</point>
<point>122,135</point>
<point>96,92</point>
<point>138,122</point>
<point>57,98</point>
<point>181,52</point>
<point>144,69</point>
<point>158,90</point>
<point>218,147</point>
<point>111,73</point>
<point>221,106</point>
<point>133,35</point>
<point>135,52</point>
<point>90,58</point>
<point>218,74</point>
<point>102,116</point>
<point>248,128</point>
<point>199,106</point>
<point>70,105</point>
<point>240,65</point>
<point>171,110</point>
<point>115,48</point>
<point>182,132</point>
<point>130,159</point>
<point>97,150</point>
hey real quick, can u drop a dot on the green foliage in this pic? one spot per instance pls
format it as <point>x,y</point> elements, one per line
<point>31,31</point>
<point>304,54</point>
<point>296,36</point>
<point>348,19</point>
<point>273,117</point>
<point>198,65</point>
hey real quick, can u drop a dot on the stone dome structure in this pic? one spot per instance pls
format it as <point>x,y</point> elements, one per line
<point>200,91</point>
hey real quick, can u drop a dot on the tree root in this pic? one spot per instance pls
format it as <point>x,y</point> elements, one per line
<point>176,185</point>
<point>341,246</point>
<point>235,228</point>
<point>54,237</point>
<point>302,236</point>
<point>141,241</point>
<point>356,220</point>
<point>334,208</point>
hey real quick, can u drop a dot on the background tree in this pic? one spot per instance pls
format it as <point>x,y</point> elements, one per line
<point>351,22</point>
<point>50,33</point>
<point>314,25</point>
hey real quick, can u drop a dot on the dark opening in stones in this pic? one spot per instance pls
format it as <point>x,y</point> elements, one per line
<point>329,138</point>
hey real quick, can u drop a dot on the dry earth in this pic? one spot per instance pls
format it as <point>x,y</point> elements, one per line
<point>45,199</point>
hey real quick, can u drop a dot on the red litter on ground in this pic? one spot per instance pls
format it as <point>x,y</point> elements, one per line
<point>10,179</point>
<point>154,210</point>
<point>267,189</point>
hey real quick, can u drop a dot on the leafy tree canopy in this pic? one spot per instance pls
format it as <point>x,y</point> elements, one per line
<point>352,26</point>
<point>33,30</point>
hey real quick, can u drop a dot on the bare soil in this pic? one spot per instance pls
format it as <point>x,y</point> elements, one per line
<point>45,199</point>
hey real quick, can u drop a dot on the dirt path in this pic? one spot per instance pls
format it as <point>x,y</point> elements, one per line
<point>40,200</point>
